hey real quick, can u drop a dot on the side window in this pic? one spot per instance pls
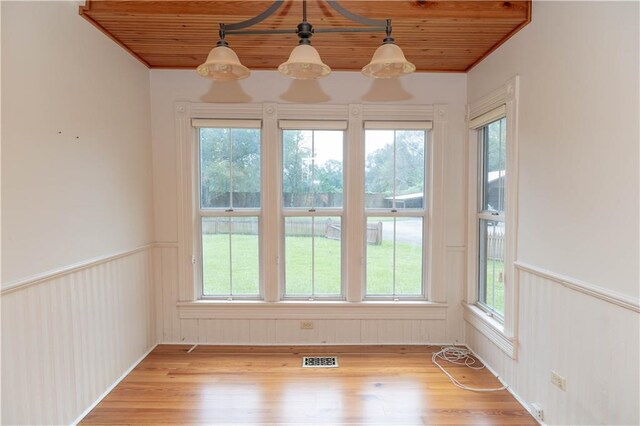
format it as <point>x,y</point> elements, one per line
<point>490,217</point>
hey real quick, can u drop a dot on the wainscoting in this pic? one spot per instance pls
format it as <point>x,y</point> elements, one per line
<point>445,327</point>
<point>69,335</point>
<point>568,329</point>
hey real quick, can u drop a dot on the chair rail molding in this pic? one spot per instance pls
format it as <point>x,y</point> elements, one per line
<point>622,300</point>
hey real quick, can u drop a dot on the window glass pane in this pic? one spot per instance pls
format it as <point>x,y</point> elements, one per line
<point>328,153</point>
<point>297,168</point>
<point>313,256</point>
<point>229,168</point>
<point>230,256</point>
<point>491,261</point>
<point>394,168</point>
<point>394,256</point>
<point>379,168</point>
<point>245,263</point>
<point>380,271</point>
<point>494,163</point>
<point>408,256</point>
<point>410,169</point>
<point>245,168</point>
<point>327,254</point>
<point>215,176</point>
<point>298,255</point>
<point>312,168</point>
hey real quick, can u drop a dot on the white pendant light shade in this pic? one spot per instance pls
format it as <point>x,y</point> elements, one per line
<point>304,64</point>
<point>223,64</point>
<point>388,61</point>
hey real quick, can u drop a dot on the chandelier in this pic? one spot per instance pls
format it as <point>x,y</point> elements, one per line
<point>304,62</point>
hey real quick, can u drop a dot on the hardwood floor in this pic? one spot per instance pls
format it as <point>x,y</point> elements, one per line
<point>382,385</point>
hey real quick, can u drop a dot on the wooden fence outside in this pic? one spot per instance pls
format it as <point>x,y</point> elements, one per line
<point>495,246</point>
<point>294,228</point>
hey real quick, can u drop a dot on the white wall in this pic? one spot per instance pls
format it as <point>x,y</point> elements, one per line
<point>76,185</point>
<point>578,207</point>
<point>168,87</point>
<point>76,169</point>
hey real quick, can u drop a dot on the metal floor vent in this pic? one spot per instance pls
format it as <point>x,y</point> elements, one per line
<point>320,361</point>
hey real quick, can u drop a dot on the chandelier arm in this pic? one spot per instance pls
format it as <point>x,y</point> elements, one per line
<point>349,30</point>
<point>260,32</point>
<point>355,17</point>
<point>231,28</point>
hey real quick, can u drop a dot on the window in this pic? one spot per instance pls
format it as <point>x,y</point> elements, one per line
<point>229,209</point>
<point>312,205</point>
<point>395,206</point>
<point>299,203</point>
<point>490,217</point>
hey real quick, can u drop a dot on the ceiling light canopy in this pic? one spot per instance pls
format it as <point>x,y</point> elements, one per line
<point>304,62</point>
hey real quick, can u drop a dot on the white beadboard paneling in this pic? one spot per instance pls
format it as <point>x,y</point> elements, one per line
<point>66,340</point>
<point>594,344</point>
<point>455,279</point>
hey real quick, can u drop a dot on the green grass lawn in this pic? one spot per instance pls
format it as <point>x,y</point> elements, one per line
<point>495,276</point>
<point>298,266</point>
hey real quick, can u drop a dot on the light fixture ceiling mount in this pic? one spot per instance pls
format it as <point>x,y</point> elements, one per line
<point>304,61</point>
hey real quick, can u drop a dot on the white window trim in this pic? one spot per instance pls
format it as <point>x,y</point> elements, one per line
<point>422,213</point>
<point>505,334</point>
<point>353,215</point>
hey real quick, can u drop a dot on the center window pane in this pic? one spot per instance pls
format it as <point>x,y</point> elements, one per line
<point>313,256</point>
<point>312,168</point>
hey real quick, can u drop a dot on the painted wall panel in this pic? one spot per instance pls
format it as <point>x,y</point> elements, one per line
<point>71,337</point>
<point>592,343</point>
<point>76,142</point>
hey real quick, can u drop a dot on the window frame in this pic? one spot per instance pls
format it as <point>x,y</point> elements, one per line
<point>221,212</point>
<point>422,213</point>
<point>273,305</point>
<point>502,102</point>
<point>288,212</point>
<point>483,214</point>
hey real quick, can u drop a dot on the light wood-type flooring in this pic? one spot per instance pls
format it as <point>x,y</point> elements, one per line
<point>383,385</point>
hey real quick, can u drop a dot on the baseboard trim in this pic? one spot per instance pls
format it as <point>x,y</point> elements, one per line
<point>504,383</point>
<point>307,344</point>
<point>113,385</point>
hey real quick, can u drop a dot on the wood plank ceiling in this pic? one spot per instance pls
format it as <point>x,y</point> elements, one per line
<point>440,36</point>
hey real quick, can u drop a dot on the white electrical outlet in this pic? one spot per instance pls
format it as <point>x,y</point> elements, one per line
<point>558,380</point>
<point>536,411</point>
<point>306,325</point>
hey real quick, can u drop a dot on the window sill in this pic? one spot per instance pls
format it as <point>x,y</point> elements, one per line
<point>490,328</point>
<point>233,309</point>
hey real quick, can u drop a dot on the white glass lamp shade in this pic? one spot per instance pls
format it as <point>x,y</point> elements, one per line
<point>223,64</point>
<point>388,61</point>
<point>304,64</point>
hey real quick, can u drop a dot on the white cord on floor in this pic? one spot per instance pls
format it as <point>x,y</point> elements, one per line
<point>460,356</point>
